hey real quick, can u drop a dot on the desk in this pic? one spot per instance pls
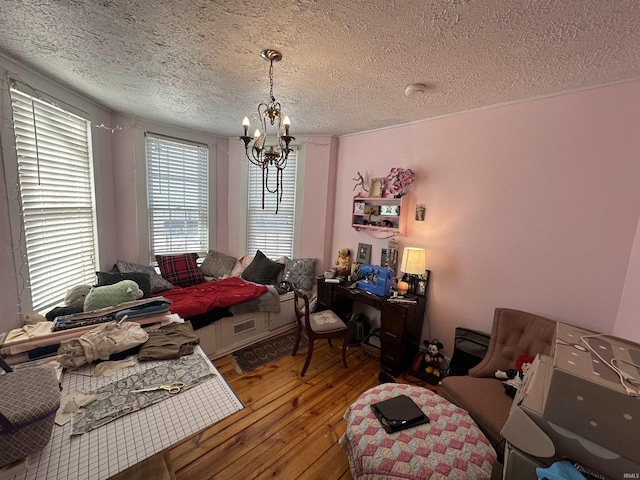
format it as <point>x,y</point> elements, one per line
<point>128,440</point>
<point>400,324</point>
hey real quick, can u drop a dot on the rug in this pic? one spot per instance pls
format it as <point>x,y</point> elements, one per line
<point>267,351</point>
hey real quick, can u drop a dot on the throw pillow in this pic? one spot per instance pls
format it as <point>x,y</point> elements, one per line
<point>141,278</point>
<point>181,270</point>
<point>300,272</point>
<point>158,284</point>
<point>262,270</point>
<point>241,263</point>
<point>217,264</point>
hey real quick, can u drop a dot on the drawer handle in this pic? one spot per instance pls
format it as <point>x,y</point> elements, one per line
<point>393,335</point>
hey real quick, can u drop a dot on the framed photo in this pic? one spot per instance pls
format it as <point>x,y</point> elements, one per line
<point>364,253</point>
<point>376,186</point>
<point>358,208</point>
<point>421,284</point>
<point>420,211</point>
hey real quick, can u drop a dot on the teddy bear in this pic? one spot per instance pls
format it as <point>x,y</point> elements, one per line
<point>110,295</point>
<point>514,376</point>
<point>343,260</point>
<point>73,302</point>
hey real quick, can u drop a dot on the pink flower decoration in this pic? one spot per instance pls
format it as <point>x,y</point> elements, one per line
<point>399,179</point>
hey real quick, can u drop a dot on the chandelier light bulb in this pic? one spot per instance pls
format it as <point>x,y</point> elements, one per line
<point>246,124</point>
<point>257,134</point>
<point>287,124</point>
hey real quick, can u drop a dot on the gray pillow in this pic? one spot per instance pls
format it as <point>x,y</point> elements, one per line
<point>143,280</point>
<point>217,264</point>
<point>158,284</point>
<point>262,270</point>
<point>300,272</point>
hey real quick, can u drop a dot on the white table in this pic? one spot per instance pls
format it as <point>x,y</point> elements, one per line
<point>128,440</point>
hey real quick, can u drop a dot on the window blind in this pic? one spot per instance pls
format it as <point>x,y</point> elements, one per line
<point>55,178</point>
<point>270,233</point>
<point>178,195</point>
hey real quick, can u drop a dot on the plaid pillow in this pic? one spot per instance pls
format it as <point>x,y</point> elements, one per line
<point>181,270</point>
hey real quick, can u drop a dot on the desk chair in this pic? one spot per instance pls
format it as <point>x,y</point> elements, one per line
<point>324,324</point>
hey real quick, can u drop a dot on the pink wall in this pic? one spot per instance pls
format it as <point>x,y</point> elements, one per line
<point>532,206</point>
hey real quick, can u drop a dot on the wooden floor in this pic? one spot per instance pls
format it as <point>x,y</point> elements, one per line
<point>290,426</point>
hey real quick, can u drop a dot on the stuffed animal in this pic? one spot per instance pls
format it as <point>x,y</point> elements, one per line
<point>514,377</point>
<point>343,260</point>
<point>76,295</point>
<point>110,295</point>
<point>433,360</point>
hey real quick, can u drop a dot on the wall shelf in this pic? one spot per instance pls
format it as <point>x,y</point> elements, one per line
<point>380,217</point>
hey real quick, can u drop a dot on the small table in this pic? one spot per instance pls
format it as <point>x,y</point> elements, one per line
<point>451,446</point>
<point>128,440</point>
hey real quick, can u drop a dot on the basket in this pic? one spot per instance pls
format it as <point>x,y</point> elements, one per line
<point>28,405</point>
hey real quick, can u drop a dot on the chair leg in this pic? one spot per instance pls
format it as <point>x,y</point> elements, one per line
<point>308,360</point>
<point>345,344</point>
<point>295,348</point>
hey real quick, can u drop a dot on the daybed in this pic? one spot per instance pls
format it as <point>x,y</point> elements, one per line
<point>480,393</point>
<point>230,302</point>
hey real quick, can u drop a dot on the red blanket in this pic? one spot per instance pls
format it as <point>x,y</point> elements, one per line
<point>200,298</point>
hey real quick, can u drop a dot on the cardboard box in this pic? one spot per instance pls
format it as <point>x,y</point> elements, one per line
<point>528,430</point>
<point>585,394</point>
<point>518,465</point>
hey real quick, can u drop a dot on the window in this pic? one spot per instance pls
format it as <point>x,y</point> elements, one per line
<point>177,196</point>
<point>272,234</point>
<point>55,178</point>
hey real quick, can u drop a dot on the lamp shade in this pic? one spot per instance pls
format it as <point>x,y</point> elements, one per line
<point>413,261</point>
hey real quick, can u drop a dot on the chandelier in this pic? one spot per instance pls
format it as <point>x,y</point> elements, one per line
<point>263,155</point>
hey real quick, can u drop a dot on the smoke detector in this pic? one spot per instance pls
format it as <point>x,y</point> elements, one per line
<point>415,88</point>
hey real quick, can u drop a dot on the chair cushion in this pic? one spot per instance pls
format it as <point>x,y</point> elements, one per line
<point>486,402</point>
<point>326,321</point>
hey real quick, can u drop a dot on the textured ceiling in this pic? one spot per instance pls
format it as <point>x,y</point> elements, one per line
<point>346,63</point>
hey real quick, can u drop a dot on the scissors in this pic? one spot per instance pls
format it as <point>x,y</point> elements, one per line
<point>172,388</point>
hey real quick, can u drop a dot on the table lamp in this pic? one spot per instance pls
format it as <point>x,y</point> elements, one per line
<point>413,263</point>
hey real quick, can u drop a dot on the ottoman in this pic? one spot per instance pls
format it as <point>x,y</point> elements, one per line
<point>451,446</point>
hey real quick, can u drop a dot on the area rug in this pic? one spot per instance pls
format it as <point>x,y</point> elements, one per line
<point>267,351</point>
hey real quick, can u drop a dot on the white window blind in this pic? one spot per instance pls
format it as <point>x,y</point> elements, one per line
<point>57,200</point>
<point>178,195</point>
<point>270,233</point>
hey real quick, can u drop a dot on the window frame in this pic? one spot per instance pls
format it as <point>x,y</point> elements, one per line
<point>76,107</point>
<point>300,146</point>
<point>145,256</point>
<point>204,247</point>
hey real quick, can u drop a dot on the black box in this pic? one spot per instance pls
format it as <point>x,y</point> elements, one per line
<point>470,346</point>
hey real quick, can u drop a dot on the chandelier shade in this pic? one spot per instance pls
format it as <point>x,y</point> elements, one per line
<point>270,148</point>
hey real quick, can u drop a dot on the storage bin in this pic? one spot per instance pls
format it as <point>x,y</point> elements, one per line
<point>28,404</point>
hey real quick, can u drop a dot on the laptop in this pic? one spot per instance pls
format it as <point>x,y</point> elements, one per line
<point>398,413</point>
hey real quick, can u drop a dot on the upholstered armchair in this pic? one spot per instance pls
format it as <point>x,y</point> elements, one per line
<point>480,393</point>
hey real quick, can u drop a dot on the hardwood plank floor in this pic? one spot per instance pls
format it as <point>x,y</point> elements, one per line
<point>290,426</point>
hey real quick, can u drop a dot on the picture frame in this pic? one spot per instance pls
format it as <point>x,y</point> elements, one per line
<point>420,212</point>
<point>422,283</point>
<point>376,186</point>
<point>364,253</point>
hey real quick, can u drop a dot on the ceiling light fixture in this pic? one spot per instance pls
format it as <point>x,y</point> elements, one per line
<point>413,88</point>
<point>260,153</point>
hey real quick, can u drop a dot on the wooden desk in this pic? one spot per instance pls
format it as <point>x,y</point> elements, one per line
<point>126,441</point>
<point>400,324</point>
